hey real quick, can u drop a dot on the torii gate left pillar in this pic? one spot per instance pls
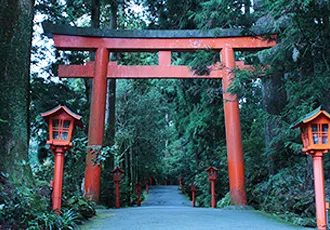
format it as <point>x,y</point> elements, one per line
<point>96,125</point>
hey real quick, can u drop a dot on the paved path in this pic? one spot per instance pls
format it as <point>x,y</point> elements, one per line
<point>166,209</point>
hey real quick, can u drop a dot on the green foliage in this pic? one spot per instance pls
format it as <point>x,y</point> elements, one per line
<point>67,220</point>
<point>287,195</point>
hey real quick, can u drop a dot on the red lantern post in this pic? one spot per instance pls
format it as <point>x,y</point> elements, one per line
<point>193,190</point>
<point>147,186</point>
<point>138,187</point>
<point>180,181</point>
<point>315,136</point>
<point>212,175</point>
<point>61,122</point>
<point>117,176</point>
<point>165,181</point>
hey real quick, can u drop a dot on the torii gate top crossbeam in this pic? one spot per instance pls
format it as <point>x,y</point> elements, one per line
<point>162,41</point>
<point>74,38</point>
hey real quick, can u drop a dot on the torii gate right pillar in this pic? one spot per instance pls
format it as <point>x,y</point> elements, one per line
<point>233,133</point>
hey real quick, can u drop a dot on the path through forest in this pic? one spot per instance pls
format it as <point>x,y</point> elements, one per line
<point>166,208</point>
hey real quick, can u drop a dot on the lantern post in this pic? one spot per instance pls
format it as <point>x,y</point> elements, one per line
<point>180,181</point>
<point>61,122</point>
<point>117,176</point>
<point>138,187</point>
<point>165,181</point>
<point>315,135</point>
<point>193,190</point>
<point>212,176</point>
<point>147,186</point>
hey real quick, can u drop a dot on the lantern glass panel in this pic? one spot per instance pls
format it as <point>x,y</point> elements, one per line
<point>325,134</point>
<point>211,174</point>
<point>55,135</point>
<point>56,123</point>
<point>66,124</point>
<point>65,136</point>
<point>315,130</point>
<point>304,133</point>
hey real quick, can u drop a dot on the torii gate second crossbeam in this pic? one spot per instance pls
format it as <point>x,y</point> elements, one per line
<point>225,41</point>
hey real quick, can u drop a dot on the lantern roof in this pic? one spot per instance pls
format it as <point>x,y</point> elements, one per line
<point>58,108</point>
<point>211,168</point>
<point>138,184</point>
<point>117,170</point>
<point>310,116</point>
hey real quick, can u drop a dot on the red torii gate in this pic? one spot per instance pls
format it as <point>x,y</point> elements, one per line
<point>225,41</point>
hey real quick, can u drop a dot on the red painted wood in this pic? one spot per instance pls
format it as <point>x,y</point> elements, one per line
<point>161,71</point>
<point>164,58</point>
<point>233,134</point>
<point>193,198</point>
<point>319,190</point>
<point>66,42</point>
<point>116,71</point>
<point>58,179</point>
<point>213,202</point>
<point>117,195</point>
<point>96,124</point>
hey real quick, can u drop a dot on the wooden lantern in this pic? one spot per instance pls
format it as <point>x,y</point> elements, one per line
<point>61,122</point>
<point>212,173</point>
<point>314,129</point>
<point>138,187</point>
<point>193,188</point>
<point>117,174</point>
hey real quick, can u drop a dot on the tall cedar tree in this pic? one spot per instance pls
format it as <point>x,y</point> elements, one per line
<point>15,43</point>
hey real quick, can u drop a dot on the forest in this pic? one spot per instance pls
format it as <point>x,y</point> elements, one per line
<point>162,128</point>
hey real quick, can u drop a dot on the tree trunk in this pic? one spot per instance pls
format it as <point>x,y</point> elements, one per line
<point>274,99</point>
<point>95,23</point>
<point>16,18</point>
<point>111,98</point>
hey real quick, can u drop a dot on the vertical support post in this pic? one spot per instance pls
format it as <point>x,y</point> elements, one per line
<point>319,190</point>
<point>147,188</point>
<point>117,195</point>
<point>164,58</point>
<point>233,133</point>
<point>213,203</point>
<point>96,124</point>
<point>139,198</point>
<point>193,198</point>
<point>165,182</point>
<point>58,179</point>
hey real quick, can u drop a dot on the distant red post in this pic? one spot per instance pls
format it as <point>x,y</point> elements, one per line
<point>165,182</point>
<point>193,190</point>
<point>180,181</point>
<point>147,186</point>
<point>212,175</point>
<point>117,176</point>
<point>138,187</point>
<point>61,122</point>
